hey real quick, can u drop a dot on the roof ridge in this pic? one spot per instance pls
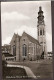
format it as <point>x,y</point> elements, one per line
<point>31,37</point>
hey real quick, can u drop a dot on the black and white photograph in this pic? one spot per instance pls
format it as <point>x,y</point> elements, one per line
<point>26,29</point>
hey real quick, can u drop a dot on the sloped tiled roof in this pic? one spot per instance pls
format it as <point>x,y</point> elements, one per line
<point>14,37</point>
<point>31,38</point>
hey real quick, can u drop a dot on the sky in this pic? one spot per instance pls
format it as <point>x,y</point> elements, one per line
<point>17,17</point>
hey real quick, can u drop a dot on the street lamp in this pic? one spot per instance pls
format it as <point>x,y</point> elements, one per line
<point>29,54</point>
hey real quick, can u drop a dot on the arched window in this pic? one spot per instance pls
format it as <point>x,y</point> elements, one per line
<point>40,32</point>
<point>43,31</point>
<point>14,50</point>
<point>24,49</point>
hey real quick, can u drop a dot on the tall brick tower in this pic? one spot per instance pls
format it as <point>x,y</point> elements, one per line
<point>41,32</point>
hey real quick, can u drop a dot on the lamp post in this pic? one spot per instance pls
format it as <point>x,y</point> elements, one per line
<point>29,55</point>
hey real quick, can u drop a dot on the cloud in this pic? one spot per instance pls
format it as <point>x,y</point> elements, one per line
<point>6,41</point>
<point>13,16</point>
<point>28,29</point>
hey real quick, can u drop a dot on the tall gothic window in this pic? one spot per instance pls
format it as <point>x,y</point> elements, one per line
<point>43,31</point>
<point>24,49</point>
<point>40,32</point>
<point>14,50</point>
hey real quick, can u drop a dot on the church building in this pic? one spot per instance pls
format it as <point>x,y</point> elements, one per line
<point>26,47</point>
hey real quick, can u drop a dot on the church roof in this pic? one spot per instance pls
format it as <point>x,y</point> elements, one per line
<point>14,37</point>
<point>31,38</point>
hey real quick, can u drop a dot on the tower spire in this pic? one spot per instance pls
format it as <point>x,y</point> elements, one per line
<point>40,8</point>
<point>40,16</point>
<point>41,30</point>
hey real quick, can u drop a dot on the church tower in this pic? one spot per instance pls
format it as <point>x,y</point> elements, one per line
<point>41,31</point>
